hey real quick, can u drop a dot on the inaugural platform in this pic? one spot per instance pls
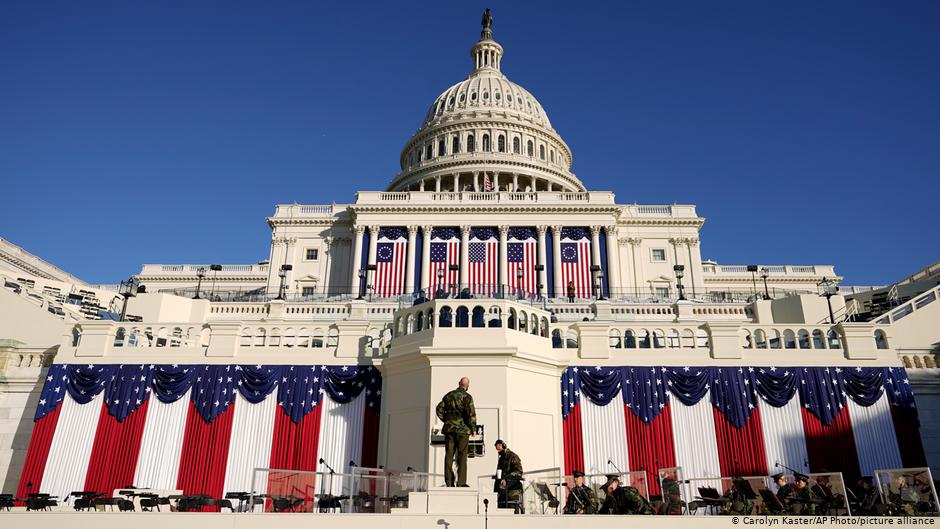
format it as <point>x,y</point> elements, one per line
<point>604,368</point>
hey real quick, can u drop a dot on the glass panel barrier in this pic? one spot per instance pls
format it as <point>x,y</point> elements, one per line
<point>673,500</point>
<point>542,491</point>
<point>905,492</point>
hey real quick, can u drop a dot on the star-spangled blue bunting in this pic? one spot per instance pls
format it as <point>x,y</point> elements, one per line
<point>211,388</point>
<point>521,234</point>
<point>129,389</point>
<point>734,390</point>
<point>445,234</point>
<point>393,233</point>
<point>484,234</point>
<point>575,234</point>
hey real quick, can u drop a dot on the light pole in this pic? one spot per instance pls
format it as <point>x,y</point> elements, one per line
<point>215,268</point>
<point>362,282</point>
<point>200,273</point>
<point>828,288</point>
<point>282,273</point>
<point>519,274</point>
<point>370,279</point>
<point>128,289</point>
<point>764,274</point>
<point>680,273</point>
<point>440,281</point>
<point>538,272</point>
<point>454,268</point>
<point>753,270</point>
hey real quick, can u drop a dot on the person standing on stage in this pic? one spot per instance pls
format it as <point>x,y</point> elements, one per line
<point>459,416</point>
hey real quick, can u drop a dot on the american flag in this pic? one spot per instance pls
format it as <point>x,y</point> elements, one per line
<point>390,256</point>
<point>576,261</point>
<point>483,256</point>
<point>445,251</point>
<point>521,255</point>
<point>487,183</point>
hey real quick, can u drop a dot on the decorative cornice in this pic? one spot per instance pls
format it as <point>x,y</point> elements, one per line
<point>506,209</point>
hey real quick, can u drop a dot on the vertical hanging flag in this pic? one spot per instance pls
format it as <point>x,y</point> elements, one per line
<point>576,261</point>
<point>521,255</point>
<point>482,258</point>
<point>445,251</point>
<point>390,256</point>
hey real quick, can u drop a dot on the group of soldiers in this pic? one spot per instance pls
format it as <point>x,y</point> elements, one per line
<point>905,496</point>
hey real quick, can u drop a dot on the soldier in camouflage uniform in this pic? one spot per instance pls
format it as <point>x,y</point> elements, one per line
<point>457,413</point>
<point>581,498</point>
<point>672,495</point>
<point>623,500</point>
<point>509,484</point>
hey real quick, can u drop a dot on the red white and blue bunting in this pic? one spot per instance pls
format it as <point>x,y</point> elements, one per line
<point>733,421</point>
<point>198,428</point>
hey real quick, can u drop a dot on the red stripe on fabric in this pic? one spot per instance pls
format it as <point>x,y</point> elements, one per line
<point>370,438</point>
<point>650,446</point>
<point>115,451</point>
<point>38,453</point>
<point>205,453</point>
<point>294,446</point>
<point>831,448</point>
<point>573,444</point>
<point>740,450</point>
<point>910,444</point>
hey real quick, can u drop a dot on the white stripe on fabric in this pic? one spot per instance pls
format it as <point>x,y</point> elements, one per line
<point>250,446</point>
<point>70,452</point>
<point>603,437</point>
<point>784,437</point>
<point>875,440</point>
<point>162,444</point>
<point>693,431</point>
<point>341,437</point>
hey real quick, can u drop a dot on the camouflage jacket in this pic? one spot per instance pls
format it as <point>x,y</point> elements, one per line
<point>510,464</point>
<point>625,500</point>
<point>581,500</point>
<point>457,413</point>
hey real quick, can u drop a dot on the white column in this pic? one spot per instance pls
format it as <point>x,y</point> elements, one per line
<point>543,275</point>
<point>476,181</point>
<point>410,263</point>
<point>437,183</point>
<point>421,185</point>
<point>456,182</point>
<point>503,248</point>
<point>556,257</point>
<point>515,182</point>
<point>464,257</point>
<point>373,240</point>
<point>596,246</point>
<point>426,259</point>
<point>613,260</point>
<point>357,259</point>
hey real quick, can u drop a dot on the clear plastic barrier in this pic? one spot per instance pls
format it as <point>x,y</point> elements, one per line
<point>672,500</point>
<point>542,491</point>
<point>906,492</point>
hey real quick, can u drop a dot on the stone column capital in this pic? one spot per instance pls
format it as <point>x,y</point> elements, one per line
<point>360,229</point>
<point>465,231</point>
<point>412,231</point>
<point>426,230</point>
<point>503,231</point>
<point>542,230</point>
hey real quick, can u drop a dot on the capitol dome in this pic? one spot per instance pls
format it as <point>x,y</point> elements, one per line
<point>486,133</point>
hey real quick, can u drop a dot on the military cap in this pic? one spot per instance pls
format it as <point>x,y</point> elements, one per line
<point>777,476</point>
<point>801,477</point>
<point>578,474</point>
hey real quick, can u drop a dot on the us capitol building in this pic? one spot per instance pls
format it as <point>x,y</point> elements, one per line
<point>486,257</point>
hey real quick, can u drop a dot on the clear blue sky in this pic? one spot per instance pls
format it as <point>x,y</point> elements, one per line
<point>134,132</point>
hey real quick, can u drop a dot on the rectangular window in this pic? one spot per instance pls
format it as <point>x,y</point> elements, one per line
<point>659,255</point>
<point>312,254</point>
<point>308,291</point>
<point>662,292</point>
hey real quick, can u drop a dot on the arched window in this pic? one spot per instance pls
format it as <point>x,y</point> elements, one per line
<point>429,152</point>
<point>528,148</point>
<point>818,341</point>
<point>419,152</point>
<point>446,317</point>
<point>471,144</point>
<point>455,145</point>
<point>478,317</point>
<point>881,339</point>
<point>760,340</point>
<point>419,322</point>
<point>551,156</point>
<point>317,339</point>
<point>440,147</point>
<point>501,143</point>
<point>645,339</point>
<point>542,152</point>
<point>834,342</point>
<point>804,339</point>
<point>789,339</point>
<point>495,319</point>
<point>463,317</point>
<point>119,337</point>
<point>515,145</point>
<point>486,143</point>
<point>332,337</point>
<point>556,339</point>
<point>571,339</point>
<point>614,339</point>
<point>629,340</point>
